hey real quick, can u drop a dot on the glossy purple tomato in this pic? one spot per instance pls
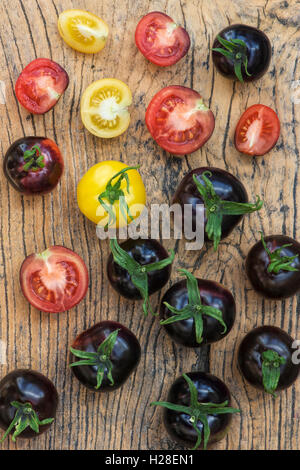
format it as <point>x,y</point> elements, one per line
<point>33,165</point>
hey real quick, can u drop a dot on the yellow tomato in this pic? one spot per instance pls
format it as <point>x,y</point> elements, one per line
<point>104,107</point>
<point>82,30</point>
<point>106,182</point>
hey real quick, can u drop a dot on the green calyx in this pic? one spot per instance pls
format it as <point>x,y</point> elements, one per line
<point>100,359</point>
<point>138,273</point>
<point>236,51</point>
<point>270,367</point>
<point>277,262</point>
<point>25,417</point>
<point>194,309</point>
<point>34,160</point>
<point>216,207</point>
<point>198,412</point>
<point>114,193</point>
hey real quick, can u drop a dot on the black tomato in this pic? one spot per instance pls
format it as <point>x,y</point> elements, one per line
<point>108,353</point>
<point>242,52</point>
<point>224,198</point>
<point>28,403</point>
<point>265,359</point>
<point>196,311</point>
<point>273,266</point>
<point>33,165</point>
<point>198,411</point>
<point>137,269</point>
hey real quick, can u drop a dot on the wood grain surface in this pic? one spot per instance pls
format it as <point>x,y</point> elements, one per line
<point>123,419</point>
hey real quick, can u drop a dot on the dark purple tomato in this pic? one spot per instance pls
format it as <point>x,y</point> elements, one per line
<point>33,165</point>
<point>242,52</point>
<point>273,266</point>
<point>265,359</point>
<point>224,198</point>
<point>145,252</point>
<point>104,356</point>
<point>212,295</point>
<point>182,424</point>
<point>28,401</point>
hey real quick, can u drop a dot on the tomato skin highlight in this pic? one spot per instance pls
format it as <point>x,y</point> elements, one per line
<point>178,120</point>
<point>18,385</point>
<point>55,280</point>
<point>160,40</point>
<point>40,85</point>
<point>263,130</point>
<point>33,182</point>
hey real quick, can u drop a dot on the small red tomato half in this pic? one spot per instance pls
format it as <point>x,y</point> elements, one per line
<point>40,85</point>
<point>161,40</point>
<point>54,281</point>
<point>257,130</point>
<point>178,120</point>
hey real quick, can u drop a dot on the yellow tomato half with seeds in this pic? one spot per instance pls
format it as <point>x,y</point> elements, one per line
<point>111,194</point>
<point>83,31</point>
<point>104,107</point>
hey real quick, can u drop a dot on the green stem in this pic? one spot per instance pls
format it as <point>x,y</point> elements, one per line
<point>198,412</point>
<point>216,207</point>
<point>114,193</point>
<point>195,309</point>
<point>25,417</point>
<point>138,272</point>
<point>270,367</point>
<point>277,262</point>
<point>100,359</point>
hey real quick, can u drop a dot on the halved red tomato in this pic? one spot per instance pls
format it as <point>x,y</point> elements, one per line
<point>161,40</point>
<point>54,281</point>
<point>178,120</point>
<point>40,85</point>
<point>257,130</point>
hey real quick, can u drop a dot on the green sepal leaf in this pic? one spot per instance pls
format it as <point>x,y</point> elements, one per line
<point>100,359</point>
<point>277,261</point>
<point>138,272</point>
<point>25,417</point>
<point>270,367</point>
<point>114,193</point>
<point>194,309</point>
<point>34,159</point>
<point>236,51</point>
<point>216,207</point>
<point>198,412</point>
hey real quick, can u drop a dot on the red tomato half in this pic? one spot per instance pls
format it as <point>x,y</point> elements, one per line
<point>257,130</point>
<point>40,85</point>
<point>161,40</point>
<point>55,280</point>
<point>178,120</point>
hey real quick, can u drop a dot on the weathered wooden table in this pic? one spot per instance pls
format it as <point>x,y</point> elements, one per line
<point>124,420</point>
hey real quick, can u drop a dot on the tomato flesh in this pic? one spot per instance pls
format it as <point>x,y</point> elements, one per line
<point>161,40</point>
<point>257,130</point>
<point>40,85</point>
<point>55,280</point>
<point>178,120</point>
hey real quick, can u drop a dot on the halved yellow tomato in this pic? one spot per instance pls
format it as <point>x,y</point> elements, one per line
<point>83,31</point>
<point>104,107</point>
